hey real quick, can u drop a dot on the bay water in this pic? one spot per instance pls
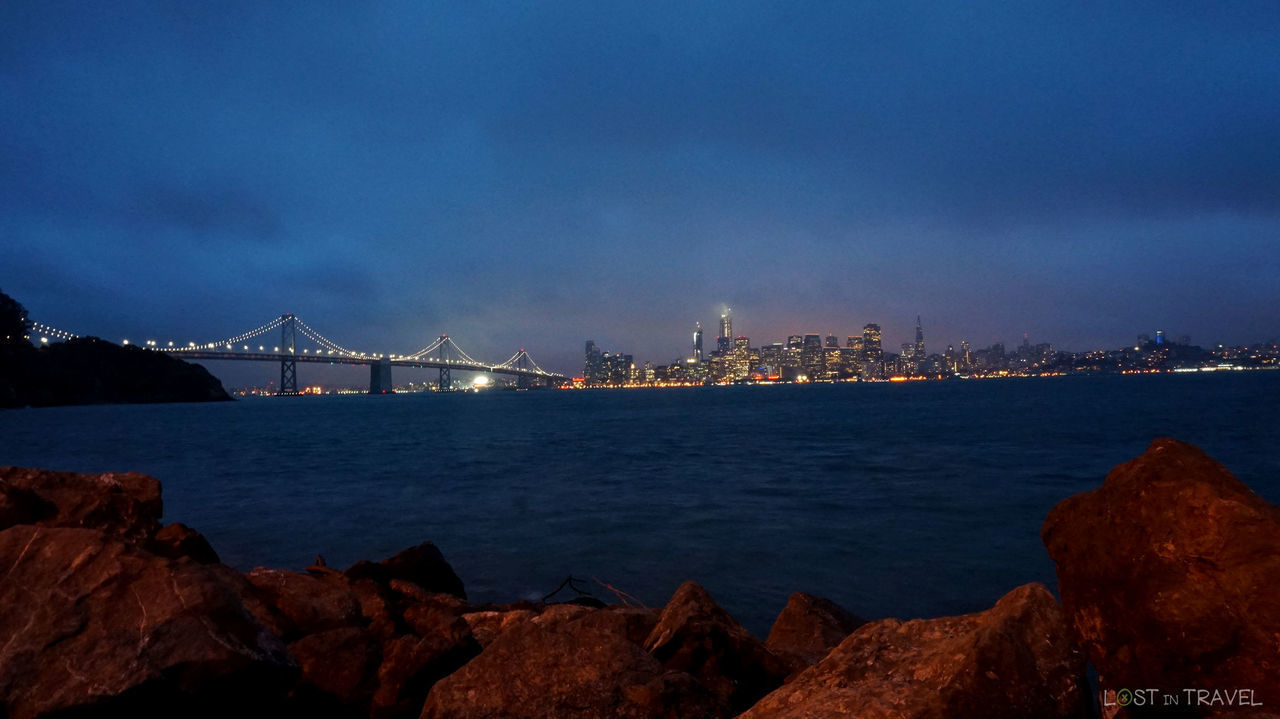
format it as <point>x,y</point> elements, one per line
<point>906,500</point>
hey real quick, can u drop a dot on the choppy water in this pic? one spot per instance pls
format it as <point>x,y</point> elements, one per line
<point>894,500</point>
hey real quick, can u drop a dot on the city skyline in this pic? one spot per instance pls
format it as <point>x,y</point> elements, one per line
<point>527,176</point>
<point>812,356</point>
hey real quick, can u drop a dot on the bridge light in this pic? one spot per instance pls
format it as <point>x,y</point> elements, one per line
<point>44,340</point>
<point>171,344</point>
<point>259,348</point>
<point>191,344</point>
<point>275,349</point>
<point>124,342</point>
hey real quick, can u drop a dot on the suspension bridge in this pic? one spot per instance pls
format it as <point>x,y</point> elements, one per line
<point>443,355</point>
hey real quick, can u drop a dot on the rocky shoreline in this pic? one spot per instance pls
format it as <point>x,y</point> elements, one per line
<point>1167,575</point>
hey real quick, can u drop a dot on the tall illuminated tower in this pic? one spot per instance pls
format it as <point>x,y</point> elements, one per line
<point>724,342</point>
<point>697,343</point>
<point>871,349</point>
<point>919,348</point>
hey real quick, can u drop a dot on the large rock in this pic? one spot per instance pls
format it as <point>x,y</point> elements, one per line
<point>127,505</point>
<point>338,668</point>
<point>412,664</point>
<point>584,668</point>
<point>178,540</point>
<point>1015,660</point>
<point>94,624</point>
<point>808,628</point>
<point>1168,573</point>
<point>422,565</point>
<point>697,636</point>
<point>307,604</point>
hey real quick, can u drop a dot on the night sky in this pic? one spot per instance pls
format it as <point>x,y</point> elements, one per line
<point>538,174</point>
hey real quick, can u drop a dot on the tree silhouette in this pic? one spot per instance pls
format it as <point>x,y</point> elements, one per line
<point>13,320</point>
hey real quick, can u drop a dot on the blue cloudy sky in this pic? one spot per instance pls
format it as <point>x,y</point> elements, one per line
<point>537,174</point>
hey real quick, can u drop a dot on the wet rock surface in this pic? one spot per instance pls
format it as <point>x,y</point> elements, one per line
<point>1168,573</point>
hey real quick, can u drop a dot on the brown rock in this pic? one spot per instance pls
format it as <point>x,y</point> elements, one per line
<point>1169,572</point>
<point>127,505</point>
<point>488,626</point>
<point>557,613</point>
<point>422,565</point>
<point>307,604</point>
<point>1014,660</point>
<point>639,622</point>
<point>411,665</point>
<point>808,628</point>
<point>338,668</point>
<point>93,624</point>
<point>22,506</point>
<point>178,540</point>
<point>695,635</point>
<point>378,607</point>
<point>583,668</point>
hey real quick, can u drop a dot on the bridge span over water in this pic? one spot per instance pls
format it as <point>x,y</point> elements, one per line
<point>443,355</point>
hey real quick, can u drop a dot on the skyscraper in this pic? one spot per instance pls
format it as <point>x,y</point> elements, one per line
<point>724,343</point>
<point>919,348</point>
<point>697,343</point>
<point>872,354</point>
<point>593,367</point>
<point>871,343</point>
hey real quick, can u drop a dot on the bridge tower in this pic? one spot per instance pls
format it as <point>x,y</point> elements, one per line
<point>523,381</point>
<point>288,364</point>
<point>445,382</point>
<point>380,377</point>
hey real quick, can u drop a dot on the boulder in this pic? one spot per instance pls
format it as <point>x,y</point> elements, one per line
<point>307,604</point>
<point>583,668</point>
<point>422,565</point>
<point>695,635</point>
<point>808,628</point>
<point>338,669</point>
<point>127,505</point>
<point>1168,574</point>
<point>1015,660</point>
<point>94,624</point>
<point>178,540</point>
<point>411,665</point>
<point>489,625</point>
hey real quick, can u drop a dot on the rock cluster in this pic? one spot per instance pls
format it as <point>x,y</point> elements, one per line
<point>1165,574</point>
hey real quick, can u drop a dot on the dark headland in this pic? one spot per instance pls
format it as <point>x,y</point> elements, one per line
<point>89,370</point>
<point>1167,576</point>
